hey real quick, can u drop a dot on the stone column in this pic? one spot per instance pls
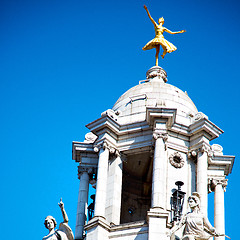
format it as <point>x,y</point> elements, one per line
<point>159,170</point>
<point>219,215</point>
<point>82,203</point>
<point>102,174</point>
<point>202,178</point>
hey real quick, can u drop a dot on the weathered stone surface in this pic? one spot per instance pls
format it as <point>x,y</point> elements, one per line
<point>153,137</point>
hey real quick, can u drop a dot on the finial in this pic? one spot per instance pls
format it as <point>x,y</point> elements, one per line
<point>156,73</point>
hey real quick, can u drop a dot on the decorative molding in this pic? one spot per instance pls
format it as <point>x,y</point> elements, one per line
<point>217,149</point>
<point>176,160</point>
<point>110,113</point>
<point>90,138</point>
<point>198,116</point>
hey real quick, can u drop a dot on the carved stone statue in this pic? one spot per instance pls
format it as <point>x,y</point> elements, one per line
<point>64,232</point>
<point>196,225</point>
<point>159,39</point>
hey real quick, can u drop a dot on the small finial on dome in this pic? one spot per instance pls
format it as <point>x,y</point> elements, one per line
<point>156,73</point>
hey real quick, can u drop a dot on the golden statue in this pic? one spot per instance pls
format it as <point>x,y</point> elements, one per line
<point>159,39</point>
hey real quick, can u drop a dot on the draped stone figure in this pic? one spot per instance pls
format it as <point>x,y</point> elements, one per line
<point>196,224</point>
<point>64,232</point>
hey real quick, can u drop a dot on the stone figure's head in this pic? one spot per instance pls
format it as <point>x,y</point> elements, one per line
<point>194,200</point>
<point>161,20</point>
<point>50,223</point>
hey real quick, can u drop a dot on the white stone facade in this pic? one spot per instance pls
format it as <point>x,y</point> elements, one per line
<point>151,138</point>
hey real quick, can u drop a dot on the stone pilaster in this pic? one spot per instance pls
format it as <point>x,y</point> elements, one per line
<point>202,177</point>
<point>102,173</point>
<point>114,189</point>
<point>82,202</point>
<point>159,170</point>
<point>219,186</point>
<point>157,222</point>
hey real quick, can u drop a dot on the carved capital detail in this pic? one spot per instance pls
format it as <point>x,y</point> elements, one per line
<point>103,145</point>
<point>117,152</point>
<point>106,145</point>
<point>160,134</point>
<point>214,182</point>
<point>210,153</point>
<point>84,169</point>
<point>192,154</point>
<point>205,148</point>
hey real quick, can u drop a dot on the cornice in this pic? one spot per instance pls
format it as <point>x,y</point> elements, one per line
<point>82,149</point>
<point>153,113</point>
<point>97,221</point>
<point>207,126</point>
<point>102,123</point>
<point>199,128</point>
<point>224,161</point>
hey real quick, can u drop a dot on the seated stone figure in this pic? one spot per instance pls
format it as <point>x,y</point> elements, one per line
<point>64,232</point>
<point>196,224</point>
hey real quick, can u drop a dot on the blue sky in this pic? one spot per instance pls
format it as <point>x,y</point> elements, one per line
<point>62,63</point>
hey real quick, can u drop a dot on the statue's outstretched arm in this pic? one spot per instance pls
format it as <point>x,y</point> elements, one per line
<point>64,214</point>
<point>209,227</point>
<point>178,226</point>
<point>154,23</point>
<point>167,30</point>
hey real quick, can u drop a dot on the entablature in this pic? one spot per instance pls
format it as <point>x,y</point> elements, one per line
<point>224,163</point>
<point>84,153</point>
<point>138,136</point>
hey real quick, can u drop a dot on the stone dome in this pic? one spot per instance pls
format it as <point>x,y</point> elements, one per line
<point>154,92</point>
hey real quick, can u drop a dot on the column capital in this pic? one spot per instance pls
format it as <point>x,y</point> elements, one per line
<point>106,145</point>
<point>102,145</point>
<point>213,182</point>
<point>192,154</point>
<point>157,133</point>
<point>201,148</point>
<point>84,169</point>
<point>205,148</point>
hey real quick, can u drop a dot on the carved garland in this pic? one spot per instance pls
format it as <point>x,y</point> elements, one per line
<point>176,160</point>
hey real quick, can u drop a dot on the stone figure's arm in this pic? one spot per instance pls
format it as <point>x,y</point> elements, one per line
<point>208,225</point>
<point>167,30</point>
<point>154,23</point>
<point>178,226</point>
<point>64,214</point>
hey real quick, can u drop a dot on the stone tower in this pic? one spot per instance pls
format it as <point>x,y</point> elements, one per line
<point>134,154</point>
